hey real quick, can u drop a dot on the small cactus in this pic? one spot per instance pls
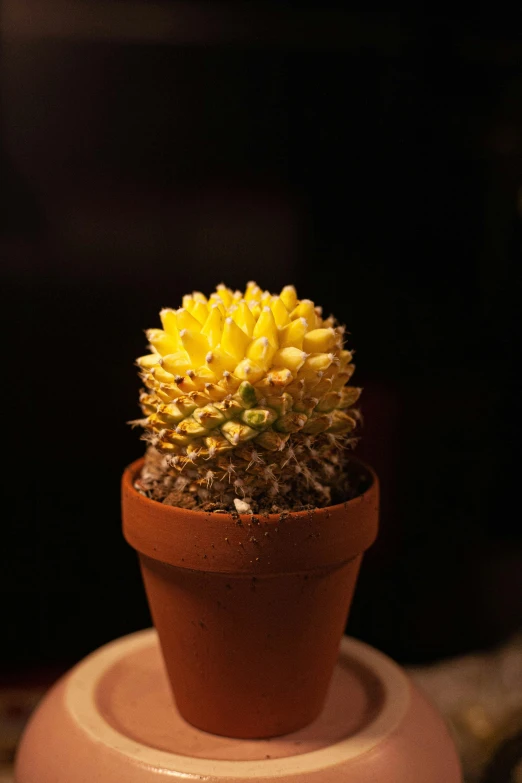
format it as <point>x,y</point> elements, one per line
<point>246,402</point>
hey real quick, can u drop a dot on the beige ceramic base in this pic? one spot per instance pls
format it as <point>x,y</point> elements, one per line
<point>112,719</point>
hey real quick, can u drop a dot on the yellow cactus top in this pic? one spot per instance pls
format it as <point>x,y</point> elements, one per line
<point>244,368</point>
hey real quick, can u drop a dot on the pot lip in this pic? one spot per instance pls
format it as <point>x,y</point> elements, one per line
<point>131,471</point>
<point>227,543</point>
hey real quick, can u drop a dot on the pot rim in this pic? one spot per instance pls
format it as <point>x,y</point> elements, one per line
<point>249,544</point>
<point>131,472</point>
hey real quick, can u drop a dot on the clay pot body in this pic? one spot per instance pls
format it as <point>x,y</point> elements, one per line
<point>249,611</point>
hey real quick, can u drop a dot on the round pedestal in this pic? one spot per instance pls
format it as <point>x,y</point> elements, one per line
<point>112,719</point>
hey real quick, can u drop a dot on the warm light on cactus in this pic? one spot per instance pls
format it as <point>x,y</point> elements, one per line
<point>246,395</point>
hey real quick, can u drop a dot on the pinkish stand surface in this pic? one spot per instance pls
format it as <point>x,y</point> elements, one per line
<point>112,719</point>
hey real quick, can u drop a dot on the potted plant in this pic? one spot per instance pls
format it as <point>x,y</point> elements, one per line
<point>249,513</point>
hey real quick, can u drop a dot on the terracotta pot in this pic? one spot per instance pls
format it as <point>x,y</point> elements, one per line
<point>249,611</point>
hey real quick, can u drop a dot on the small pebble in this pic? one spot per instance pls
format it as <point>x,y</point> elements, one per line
<point>242,507</point>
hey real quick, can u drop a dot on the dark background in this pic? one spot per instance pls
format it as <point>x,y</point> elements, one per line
<point>375,160</point>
